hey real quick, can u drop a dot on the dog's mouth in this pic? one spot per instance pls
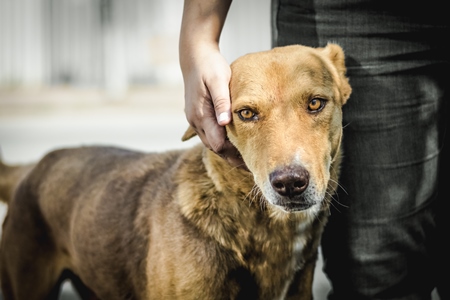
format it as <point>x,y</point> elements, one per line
<point>296,205</point>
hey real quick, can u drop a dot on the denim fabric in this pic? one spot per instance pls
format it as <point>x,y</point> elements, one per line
<point>385,237</point>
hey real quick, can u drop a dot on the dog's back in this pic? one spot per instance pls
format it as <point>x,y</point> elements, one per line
<point>73,203</point>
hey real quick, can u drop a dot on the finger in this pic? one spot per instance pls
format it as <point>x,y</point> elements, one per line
<point>215,135</point>
<point>215,139</point>
<point>232,156</point>
<point>220,96</point>
<point>224,148</point>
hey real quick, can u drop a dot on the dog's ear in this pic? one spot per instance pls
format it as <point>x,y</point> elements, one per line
<point>336,54</point>
<point>190,132</point>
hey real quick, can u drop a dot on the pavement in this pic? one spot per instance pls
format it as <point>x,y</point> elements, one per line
<point>35,121</point>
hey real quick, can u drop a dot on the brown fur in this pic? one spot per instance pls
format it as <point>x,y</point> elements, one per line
<point>185,224</point>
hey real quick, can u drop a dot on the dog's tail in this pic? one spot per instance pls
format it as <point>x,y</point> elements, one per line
<point>10,177</point>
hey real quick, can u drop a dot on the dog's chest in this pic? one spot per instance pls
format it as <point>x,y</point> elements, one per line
<point>256,251</point>
<point>272,255</point>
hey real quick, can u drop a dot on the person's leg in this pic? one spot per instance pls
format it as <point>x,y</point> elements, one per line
<point>441,260</point>
<point>381,241</point>
<point>384,234</point>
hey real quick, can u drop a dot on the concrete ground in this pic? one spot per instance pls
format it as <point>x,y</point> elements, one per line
<point>33,122</point>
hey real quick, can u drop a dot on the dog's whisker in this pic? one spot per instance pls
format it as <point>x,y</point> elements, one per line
<point>262,201</point>
<point>323,220</point>
<point>253,195</point>
<point>333,196</point>
<point>260,198</point>
<point>334,201</point>
<point>339,185</point>
<point>232,169</point>
<point>343,126</point>
<point>250,196</point>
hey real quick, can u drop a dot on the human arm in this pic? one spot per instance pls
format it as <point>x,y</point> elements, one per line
<point>206,74</point>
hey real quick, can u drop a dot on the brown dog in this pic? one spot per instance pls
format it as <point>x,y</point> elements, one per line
<point>185,224</point>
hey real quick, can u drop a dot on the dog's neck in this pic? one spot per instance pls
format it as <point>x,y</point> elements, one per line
<point>225,176</point>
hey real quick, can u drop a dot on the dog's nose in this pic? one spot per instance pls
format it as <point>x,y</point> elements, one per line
<point>290,181</point>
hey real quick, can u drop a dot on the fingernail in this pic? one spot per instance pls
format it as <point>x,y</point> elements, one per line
<point>224,117</point>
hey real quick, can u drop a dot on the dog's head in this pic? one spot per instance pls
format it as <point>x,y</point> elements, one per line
<point>287,121</point>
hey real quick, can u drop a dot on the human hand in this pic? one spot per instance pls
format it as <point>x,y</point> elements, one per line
<point>207,101</point>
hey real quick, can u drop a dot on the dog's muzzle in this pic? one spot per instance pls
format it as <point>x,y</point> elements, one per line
<point>290,184</point>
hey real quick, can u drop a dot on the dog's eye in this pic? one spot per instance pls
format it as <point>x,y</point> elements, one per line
<point>247,115</point>
<point>316,104</point>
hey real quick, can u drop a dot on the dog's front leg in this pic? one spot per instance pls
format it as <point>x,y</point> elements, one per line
<point>301,286</point>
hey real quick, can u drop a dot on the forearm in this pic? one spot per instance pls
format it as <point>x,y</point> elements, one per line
<point>201,26</point>
<point>206,75</point>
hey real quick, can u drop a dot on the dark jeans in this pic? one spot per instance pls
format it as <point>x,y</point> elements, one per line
<point>385,238</point>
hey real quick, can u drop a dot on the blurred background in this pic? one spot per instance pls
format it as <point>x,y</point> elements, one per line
<point>85,72</point>
<point>110,44</point>
<point>67,66</point>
